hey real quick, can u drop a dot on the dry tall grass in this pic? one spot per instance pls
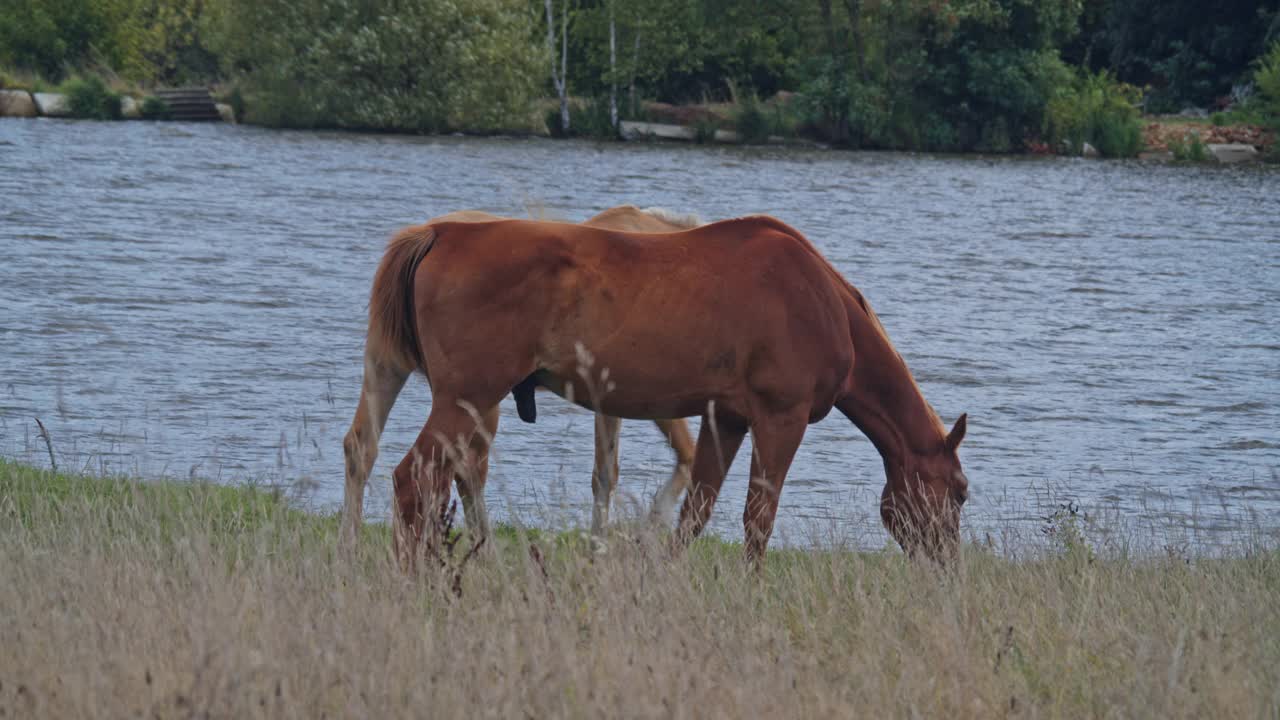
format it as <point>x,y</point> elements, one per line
<point>120,599</point>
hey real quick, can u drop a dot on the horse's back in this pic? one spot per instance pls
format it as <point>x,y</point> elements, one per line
<point>740,250</point>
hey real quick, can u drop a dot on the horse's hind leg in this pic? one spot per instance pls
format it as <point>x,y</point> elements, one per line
<point>604,476</point>
<point>718,442</point>
<point>378,391</point>
<point>423,478</point>
<point>774,440</point>
<point>677,433</point>
<point>471,484</point>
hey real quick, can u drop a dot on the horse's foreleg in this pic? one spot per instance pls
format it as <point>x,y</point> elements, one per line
<point>774,441</point>
<point>471,484</point>
<point>604,475</point>
<point>423,478</point>
<point>378,391</point>
<point>677,433</point>
<point>717,444</point>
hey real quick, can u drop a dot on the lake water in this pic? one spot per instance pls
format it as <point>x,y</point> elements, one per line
<point>189,300</point>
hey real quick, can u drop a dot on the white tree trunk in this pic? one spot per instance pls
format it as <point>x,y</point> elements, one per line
<point>613,71</point>
<point>558,78</point>
<point>563,87</point>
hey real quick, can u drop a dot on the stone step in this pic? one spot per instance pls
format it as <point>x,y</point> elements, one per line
<point>190,103</point>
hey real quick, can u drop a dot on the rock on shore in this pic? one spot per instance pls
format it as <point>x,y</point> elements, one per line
<point>17,103</point>
<point>52,104</point>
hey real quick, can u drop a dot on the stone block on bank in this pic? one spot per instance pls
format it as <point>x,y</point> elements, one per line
<point>632,130</point>
<point>130,108</point>
<point>1228,153</point>
<point>227,112</point>
<point>52,104</point>
<point>17,103</point>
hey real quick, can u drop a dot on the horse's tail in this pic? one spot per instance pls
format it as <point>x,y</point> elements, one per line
<point>393,329</point>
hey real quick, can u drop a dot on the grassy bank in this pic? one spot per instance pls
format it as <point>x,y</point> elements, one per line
<point>122,598</point>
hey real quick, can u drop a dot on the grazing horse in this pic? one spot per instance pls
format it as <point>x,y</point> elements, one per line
<point>741,321</point>
<point>383,380</point>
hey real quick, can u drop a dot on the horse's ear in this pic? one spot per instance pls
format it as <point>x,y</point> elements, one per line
<point>957,433</point>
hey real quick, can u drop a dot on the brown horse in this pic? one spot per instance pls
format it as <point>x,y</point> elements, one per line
<point>383,381</point>
<point>741,321</point>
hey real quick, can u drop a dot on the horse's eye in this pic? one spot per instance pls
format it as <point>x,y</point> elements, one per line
<point>961,488</point>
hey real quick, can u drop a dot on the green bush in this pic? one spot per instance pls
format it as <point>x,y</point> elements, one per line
<point>704,129</point>
<point>590,119</point>
<point>1189,148</point>
<point>153,108</point>
<point>1098,110</point>
<point>235,99</point>
<point>1266,78</point>
<point>90,98</point>
<point>937,134</point>
<point>751,120</point>
<point>995,137</point>
<point>414,66</point>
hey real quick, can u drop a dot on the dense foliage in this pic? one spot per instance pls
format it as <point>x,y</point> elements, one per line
<point>1189,53</point>
<point>419,65</point>
<point>1095,109</point>
<point>935,74</point>
<point>1267,79</point>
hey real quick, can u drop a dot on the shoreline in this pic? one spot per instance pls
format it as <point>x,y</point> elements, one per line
<point>1165,138</point>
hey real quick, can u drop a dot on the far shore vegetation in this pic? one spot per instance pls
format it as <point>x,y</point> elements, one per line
<point>1042,76</point>
<point>126,598</point>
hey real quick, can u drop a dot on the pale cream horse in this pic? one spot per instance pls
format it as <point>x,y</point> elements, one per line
<point>382,384</point>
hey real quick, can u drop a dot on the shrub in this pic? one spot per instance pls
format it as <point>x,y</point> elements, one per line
<point>784,116</point>
<point>1266,78</point>
<point>235,99</point>
<point>90,98</point>
<point>752,121</point>
<point>590,119</point>
<point>704,129</point>
<point>153,108</point>
<point>995,137</point>
<point>938,133</point>
<point>869,121</point>
<point>1098,110</point>
<point>415,66</point>
<point>1189,148</point>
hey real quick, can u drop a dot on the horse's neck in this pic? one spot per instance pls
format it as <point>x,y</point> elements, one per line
<point>883,399</point>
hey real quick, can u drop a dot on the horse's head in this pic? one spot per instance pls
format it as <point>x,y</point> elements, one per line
<point>921,502</point>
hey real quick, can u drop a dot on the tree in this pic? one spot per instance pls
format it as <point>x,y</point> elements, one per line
<point>1186,56</point>
<point>415,65</point>
<point>560,78</point>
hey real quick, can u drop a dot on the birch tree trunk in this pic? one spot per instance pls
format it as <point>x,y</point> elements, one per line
<point>558,78</point>
<point>564,67</point>
<point>613,70</point>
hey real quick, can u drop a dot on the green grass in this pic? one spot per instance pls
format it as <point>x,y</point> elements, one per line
<point>123,598</point>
